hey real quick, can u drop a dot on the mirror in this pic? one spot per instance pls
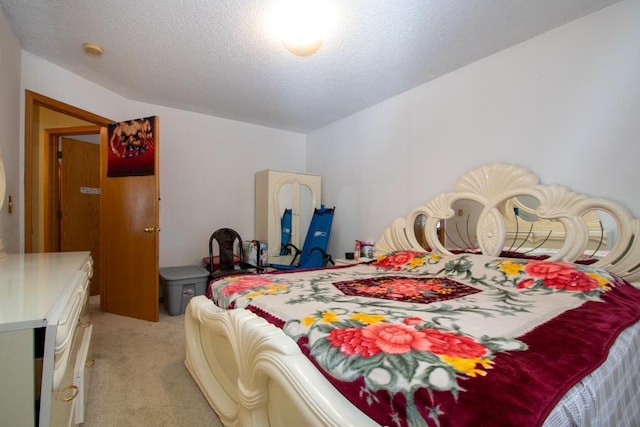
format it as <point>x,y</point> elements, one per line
<point>285,205</point>
<point>419,230</point>
<point>285,230</point>
<point>297,227</point>
<point>460,230</point>
<point>456,234</point>
<point>502,210</point>
<point>306,213</point>
<point>526,233</point>
<point>603,233</point>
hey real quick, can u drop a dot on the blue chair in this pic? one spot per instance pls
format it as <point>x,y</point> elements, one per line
<point>314,250</point>
<point>285,231</point>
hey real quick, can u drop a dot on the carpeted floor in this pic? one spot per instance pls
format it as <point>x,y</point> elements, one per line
<point>139,377</point>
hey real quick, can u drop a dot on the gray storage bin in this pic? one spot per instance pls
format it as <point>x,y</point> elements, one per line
<point>180,284</point>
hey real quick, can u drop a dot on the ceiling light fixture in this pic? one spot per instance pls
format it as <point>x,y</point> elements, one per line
<point>300,25</point>
<point>92,49</point>
<point>303,47</point>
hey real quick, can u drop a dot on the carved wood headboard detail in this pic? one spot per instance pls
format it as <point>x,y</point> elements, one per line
<point>572,220</point>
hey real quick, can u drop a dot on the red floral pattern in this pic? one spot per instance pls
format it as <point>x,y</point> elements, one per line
<point>450,344</point>
<point>373,328</point>
<point>394,338</point>
<point>558,275</point>
<point>422,290</point>
<point>547,270</point>
<point>352,342</point>
<point>575,281</point>
<point>244,283</point>
<point>396,260</point>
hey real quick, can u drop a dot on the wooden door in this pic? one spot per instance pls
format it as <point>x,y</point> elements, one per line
<point>79,220</point>
<point>129,218</point>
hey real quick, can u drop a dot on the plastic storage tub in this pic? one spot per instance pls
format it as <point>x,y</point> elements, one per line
<point>180,284</point>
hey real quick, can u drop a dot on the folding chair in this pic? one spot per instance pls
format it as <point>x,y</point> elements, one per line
<point>314,250</point>
<point>285,231</point>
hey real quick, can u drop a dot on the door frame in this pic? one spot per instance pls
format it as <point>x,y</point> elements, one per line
<point>33,99</point>
<point>51,203</point>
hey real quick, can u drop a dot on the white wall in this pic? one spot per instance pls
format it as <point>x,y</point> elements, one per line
<point>207,164</point>
<point>9,137</point>
<point>565,104</point>
<point>207,170</point>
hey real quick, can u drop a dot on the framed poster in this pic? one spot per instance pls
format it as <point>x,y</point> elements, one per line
<point>131,148</point>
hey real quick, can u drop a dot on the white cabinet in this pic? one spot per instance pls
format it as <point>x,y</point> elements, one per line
<point>277,191</point>
<point>45,335</point>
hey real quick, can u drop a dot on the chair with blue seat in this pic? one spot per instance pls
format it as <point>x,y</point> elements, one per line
<point>314,250</point>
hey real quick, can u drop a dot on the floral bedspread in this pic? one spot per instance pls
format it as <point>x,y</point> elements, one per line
<point>420,339</point>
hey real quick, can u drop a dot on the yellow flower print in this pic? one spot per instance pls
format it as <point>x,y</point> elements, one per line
<point>369,319</point>
<point>416,262</point>
<point>308,320</point>
<point>468,365</point>
<point>435,257</point>
<point>275,289</point>
<point>329,317</point>
<point>255,294</point>
<point>602,281</point>
<point>511,268</point>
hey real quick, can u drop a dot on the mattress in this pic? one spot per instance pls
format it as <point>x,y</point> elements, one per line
<point>479,334</point>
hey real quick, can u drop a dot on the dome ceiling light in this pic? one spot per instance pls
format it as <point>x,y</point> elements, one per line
<point>300,25</point>
<point>92,49</point>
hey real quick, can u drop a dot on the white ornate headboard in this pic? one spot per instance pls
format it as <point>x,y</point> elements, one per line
<point>492,189</point>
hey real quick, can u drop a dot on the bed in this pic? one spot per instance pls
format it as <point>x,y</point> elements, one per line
<point>437,337</point>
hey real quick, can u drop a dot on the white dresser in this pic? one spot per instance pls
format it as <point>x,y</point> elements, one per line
<point>44,338</point>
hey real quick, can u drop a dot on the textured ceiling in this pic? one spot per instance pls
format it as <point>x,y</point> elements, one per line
<point>214,57</point>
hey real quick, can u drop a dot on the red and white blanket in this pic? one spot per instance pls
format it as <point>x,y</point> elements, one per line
<point>421,339</point>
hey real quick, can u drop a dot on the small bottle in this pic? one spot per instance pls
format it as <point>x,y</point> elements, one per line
<point>357,249</point>
<point>367,250</point>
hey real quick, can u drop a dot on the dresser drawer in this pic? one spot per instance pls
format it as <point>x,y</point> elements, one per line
<point>41,336</point>
<point>71,346</point>
<point>82,373</point>
<point>67,326</point>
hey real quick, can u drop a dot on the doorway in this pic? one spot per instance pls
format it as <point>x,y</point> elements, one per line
<point>47,121</point>
<point>127,266</point>
<point>72,204</point>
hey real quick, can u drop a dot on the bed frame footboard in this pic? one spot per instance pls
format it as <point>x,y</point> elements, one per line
<point>252,374</point>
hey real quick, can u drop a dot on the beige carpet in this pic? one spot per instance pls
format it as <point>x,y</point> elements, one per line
<point>139,377</point>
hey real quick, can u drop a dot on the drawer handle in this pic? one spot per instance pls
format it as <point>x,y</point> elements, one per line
<point>73,392</point>
<point>89,363</point>
<point>85,325</point>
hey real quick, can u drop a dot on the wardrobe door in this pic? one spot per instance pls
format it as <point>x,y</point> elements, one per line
<point>277,191</point>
